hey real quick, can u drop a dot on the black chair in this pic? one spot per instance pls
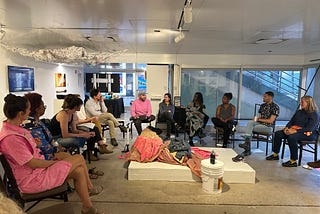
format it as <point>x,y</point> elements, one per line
<point>105,127</point>
<point>13,191</point>
<point>161,124</point>
<point>310,146</point>
<point>220,131</point>
<point>265,137</point>
<point>131,123</point>
<point>180,117</point>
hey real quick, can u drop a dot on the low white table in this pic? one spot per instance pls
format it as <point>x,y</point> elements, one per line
<point>233,172</point>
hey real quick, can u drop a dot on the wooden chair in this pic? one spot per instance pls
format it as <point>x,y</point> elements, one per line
<point>13,191</point>
<point>310,146</point>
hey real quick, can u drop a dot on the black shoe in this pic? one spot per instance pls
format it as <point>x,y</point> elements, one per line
<point>246,153</point>
<point>238,158</point>
<point>315,164</point>
<point>272,157</point>
<point>114,142</point>
<point>123,128</point>
<point>289,164</point>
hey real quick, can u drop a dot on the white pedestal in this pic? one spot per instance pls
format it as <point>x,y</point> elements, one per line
<point>233,172</point>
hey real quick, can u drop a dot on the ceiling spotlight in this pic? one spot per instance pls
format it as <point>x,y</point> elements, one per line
<point>187,16</point>
<point>179,37</point>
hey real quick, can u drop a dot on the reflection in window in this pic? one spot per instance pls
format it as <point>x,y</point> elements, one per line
<point>213,83</point>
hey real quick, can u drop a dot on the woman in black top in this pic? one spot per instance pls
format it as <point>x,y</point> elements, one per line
<point>166,112</point>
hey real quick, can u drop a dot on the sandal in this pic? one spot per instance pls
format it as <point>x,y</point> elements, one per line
<point>96,190</point>
<point>96,172</point>
<point>92,210</point>
<point>93,176</point>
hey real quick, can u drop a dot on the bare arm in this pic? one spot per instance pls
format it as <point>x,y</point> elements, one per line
<point>62,117</point>
<point>39,163</point>
<point>269,120</point>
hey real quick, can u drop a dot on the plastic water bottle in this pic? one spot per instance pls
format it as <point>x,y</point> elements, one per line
<point>212,158</point>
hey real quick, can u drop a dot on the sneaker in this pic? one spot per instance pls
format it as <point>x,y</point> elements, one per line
<point>104,150</point>
<point>114,142</point>
<point>123,128</point>
<point>306,166</point>
<point>272,157</point>
<point>238,158</point>
<point>289,164</point>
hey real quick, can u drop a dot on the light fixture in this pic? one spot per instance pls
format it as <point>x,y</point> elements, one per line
<point>179,37</point>
<point>187,16</point>
<point>269,41</point>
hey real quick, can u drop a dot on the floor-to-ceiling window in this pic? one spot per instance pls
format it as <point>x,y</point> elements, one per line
<point>212,83</point>
<point>247,87</point>
<point>283,83</point>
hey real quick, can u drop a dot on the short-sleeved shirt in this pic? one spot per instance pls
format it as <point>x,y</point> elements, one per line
<point>39,130</point>
<point>267,110</point>
<point>19,147</point>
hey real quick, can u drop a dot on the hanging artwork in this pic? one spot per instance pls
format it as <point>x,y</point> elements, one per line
<point>60,80</point>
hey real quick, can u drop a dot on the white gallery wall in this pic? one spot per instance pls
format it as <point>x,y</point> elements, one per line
<point>44,79</point>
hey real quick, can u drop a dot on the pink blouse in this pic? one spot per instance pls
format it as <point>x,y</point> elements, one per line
<point>19,147</point>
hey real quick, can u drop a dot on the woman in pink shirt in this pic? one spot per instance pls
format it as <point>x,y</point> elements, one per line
<point>32,172</point>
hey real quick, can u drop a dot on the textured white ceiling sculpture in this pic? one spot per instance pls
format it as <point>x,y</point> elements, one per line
<point>70,55</point>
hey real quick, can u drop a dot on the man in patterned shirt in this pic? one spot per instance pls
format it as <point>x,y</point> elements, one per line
<point>263,122</point>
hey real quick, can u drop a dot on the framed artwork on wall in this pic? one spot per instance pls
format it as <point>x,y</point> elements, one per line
<point>60,80</point>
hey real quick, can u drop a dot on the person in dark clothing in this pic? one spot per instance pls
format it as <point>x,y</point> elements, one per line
<point>225,117</point>
<point>166,112</point>
<point>302,126</point>
<point>196,117</point>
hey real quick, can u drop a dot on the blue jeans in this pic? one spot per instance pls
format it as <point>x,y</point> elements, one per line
<point>292,142</point>
<point>71,142</point>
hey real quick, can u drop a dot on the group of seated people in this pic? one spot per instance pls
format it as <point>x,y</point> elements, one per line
<point>35,172</point>
<point>39,160</point>
<point>302,126</point>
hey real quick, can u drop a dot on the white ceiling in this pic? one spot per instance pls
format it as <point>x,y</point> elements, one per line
<point>218,27</point>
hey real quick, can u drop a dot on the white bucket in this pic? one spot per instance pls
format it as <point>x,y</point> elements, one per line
<point>211,175</point>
